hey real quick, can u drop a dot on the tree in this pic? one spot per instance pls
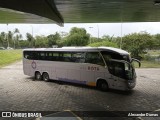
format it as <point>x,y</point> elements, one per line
<point>103,43</point>
<point>63,34</point>
<point>76,30</point>
<point>23,43</point>
<point>156,41</point>
<point>10,39</point>
<point>77,37</point>
<point>95,39</point>
<point>53,39</point>
<point>30,39</point>
<point>107,38</point>
<point>137,43</point>
<point>3,39</point>
<point>41,41</point>
<point>16,38</point>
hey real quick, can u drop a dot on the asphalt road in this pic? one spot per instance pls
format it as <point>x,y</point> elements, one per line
<point>19,92</point>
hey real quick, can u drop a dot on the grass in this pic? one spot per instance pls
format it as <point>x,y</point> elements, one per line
<point>9,56</point>
<point>148,64</point>
<point>154,52</point>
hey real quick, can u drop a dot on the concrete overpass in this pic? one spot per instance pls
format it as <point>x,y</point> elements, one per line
<point>79,11</point>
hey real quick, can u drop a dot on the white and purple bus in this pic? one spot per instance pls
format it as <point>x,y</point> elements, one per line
<point>103,67</point>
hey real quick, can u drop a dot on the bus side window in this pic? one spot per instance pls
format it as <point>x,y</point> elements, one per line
<point>94,58</point>
<point>67,57</point>
<point>42,55</point>
<point>34,55</point>
<point>55,56</point>
<point>60,58</point>
<point>26,55</point>
<point>107,57</point>
<point>49,56</point>
<point>78,57</point>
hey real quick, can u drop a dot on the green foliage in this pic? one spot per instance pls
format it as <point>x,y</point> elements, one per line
<point>16,37</point>
<point>153,56</point>
<point>148,64</point>
<point>41,42</point>
<point>103,43</point>
<point>108,38</point>
<point>77,37</point>
<point>23,43</point>
<point>137,43</point>
<point>156,41</point>
<point>76,30</point>
<point>3,39</point>
<point>30,40</point>
<point>54,39</point>
<point>94,40</point>
<point>10,39</point>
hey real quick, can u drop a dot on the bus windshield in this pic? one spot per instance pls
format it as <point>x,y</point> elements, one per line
<point>113,55</point>
<point>118,65</point>
<point>120,69</point>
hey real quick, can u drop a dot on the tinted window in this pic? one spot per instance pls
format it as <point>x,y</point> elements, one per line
<point>32,55</point>
<point>78,57</point>
<point>116,68</point>
<point>73,57</point>
<point>66,57</point>
<point>42,56</point>
<point>111,55</point>
<point>94,58</point>
<point>55,56</point>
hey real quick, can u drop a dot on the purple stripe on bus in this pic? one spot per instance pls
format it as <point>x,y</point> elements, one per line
<point>72,80</point>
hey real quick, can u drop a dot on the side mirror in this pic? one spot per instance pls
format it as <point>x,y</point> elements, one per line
<point>133,59</point>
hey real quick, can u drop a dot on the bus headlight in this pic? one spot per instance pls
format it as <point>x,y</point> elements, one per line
<point>131,84</point>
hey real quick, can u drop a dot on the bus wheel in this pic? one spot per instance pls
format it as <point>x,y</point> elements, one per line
<point>38,76</point>
<point>102,85</point>
<point>45,77</point>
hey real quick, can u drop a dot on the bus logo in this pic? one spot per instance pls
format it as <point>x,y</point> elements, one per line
<point>33,65</point>
<point>92,68</point>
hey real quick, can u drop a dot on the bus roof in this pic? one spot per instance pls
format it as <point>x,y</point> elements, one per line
<point>74,49</point>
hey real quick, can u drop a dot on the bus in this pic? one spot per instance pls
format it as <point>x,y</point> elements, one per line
<point>102,67</point>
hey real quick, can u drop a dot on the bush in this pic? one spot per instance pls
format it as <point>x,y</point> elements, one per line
<point>103,43</point>
<point>149,57</point>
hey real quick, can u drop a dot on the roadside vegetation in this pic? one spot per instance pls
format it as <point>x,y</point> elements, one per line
<point>148,64</point>
<point>142,45</point>
<point>9,56</point>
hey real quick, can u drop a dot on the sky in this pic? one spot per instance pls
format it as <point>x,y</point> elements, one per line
<point>112,29</point>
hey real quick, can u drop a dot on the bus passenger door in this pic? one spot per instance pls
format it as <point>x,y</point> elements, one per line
<point>117,69</point>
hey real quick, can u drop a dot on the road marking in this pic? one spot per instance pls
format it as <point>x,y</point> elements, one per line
<point>74,114</point>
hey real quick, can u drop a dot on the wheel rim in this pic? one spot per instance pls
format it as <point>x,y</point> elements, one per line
<point>104,86</point>
<point>45,77</point>
<point>38,76</point>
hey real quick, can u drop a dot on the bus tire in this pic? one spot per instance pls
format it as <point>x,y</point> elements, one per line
<point>45,77</point>
<point>38,75</point>
<point>103,85</point>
